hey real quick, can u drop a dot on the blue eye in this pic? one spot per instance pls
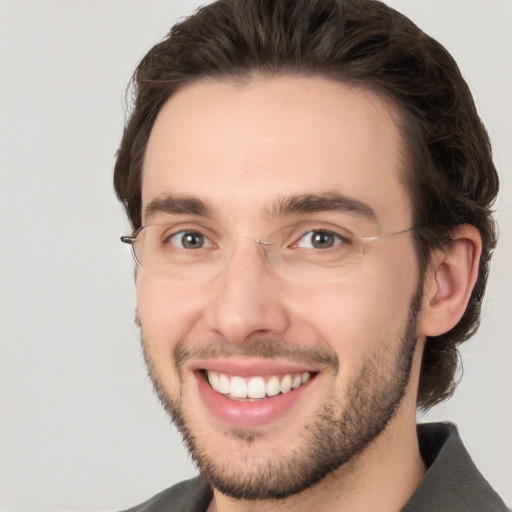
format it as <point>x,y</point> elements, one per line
<point>319,239</point>
<point>189,240</point>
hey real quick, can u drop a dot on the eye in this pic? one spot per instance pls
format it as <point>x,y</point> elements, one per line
<point>189,240</point>
<point>319,239</point>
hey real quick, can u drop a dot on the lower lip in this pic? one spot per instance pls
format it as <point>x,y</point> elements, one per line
<point>249,414</point>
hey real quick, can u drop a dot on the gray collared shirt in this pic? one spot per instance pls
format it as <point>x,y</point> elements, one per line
<point>451,484</point>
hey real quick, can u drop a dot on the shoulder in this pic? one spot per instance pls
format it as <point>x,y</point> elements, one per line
<point>190,496</point>
<point>452,482</point>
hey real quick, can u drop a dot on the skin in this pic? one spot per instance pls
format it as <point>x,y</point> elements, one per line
<point>240,148</point>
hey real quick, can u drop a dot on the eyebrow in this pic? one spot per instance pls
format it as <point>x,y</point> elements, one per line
<point>177,204</point>
<point>323,202</point>
<point>174,204</point>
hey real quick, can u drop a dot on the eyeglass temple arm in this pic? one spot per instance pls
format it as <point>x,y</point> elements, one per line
<point>128,239</point>
<point>131,239</point>
<point>368,239</point>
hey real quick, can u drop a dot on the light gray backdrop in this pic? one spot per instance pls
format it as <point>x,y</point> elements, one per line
<point>79,426</point>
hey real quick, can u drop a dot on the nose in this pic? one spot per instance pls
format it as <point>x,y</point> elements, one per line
<point>248,301</point>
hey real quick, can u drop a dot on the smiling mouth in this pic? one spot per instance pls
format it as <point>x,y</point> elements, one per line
<point>255,388</point>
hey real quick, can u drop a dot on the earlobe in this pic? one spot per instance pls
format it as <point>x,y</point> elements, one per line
<point>449,282</point>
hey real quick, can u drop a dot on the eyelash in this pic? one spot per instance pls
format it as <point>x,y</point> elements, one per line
<point>183,233</point>
<point>338,238</point>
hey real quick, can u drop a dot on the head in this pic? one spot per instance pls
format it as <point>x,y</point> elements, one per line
<point>449,175</point>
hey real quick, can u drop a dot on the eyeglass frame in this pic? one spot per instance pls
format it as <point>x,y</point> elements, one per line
<point>131,239</point>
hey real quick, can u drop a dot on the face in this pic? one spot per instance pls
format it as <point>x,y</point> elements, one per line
<point>278,372</point>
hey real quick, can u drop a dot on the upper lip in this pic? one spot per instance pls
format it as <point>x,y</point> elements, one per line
<point>251,367</point>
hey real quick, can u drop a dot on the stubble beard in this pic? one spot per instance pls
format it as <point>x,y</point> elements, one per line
<point>336,435</point>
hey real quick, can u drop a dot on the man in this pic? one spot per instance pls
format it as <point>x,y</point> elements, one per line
<point>309,187</point>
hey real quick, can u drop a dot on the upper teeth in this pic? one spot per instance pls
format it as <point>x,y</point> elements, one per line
<point>255,387</point>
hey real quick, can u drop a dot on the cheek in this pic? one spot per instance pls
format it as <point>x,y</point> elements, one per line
<point>165,314</point>
<point>356,317</point>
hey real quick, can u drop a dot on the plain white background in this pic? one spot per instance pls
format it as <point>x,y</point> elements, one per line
<point>79,426</point>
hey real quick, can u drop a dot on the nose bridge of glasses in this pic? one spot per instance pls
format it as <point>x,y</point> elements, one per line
<point>258,241</point>
<point>247,248</point>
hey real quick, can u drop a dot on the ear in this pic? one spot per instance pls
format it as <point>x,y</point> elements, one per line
<point>449,282</point>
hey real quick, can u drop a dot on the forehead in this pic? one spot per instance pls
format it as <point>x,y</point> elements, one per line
<point>241,146</point>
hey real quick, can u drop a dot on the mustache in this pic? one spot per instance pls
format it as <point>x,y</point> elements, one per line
<point>266,348</point>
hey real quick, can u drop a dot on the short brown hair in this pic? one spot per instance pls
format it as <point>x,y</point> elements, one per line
<point>451,177</point>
